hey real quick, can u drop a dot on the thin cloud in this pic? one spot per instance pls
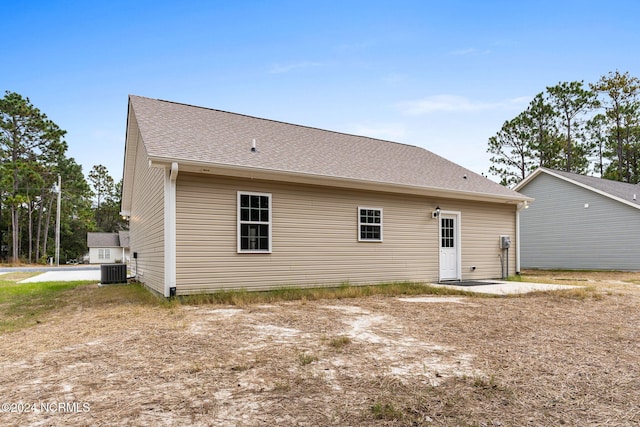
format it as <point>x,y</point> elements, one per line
<point>285,68</point>
<point>388,131</point>
<point>469,51</point>
<point>455,103</point>
<point>394,78</point>
<point>350,47</point>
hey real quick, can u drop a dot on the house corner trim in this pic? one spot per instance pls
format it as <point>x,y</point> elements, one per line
<point>170,177</point>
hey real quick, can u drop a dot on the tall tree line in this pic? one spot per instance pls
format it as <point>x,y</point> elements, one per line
<point>576,127</point>
<point>32,157</point>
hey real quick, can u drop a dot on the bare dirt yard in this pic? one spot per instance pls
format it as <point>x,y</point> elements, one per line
<point>542,359</point>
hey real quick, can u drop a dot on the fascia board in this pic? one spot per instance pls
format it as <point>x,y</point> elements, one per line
<point>590,188</point>
<point>301,178</point>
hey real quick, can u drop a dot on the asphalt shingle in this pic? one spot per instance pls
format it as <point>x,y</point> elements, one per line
<point>103,240</point>
<point>179,132</point>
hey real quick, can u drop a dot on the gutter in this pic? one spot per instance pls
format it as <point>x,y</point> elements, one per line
<point>170,177</point>
<point>521,206</point>
<point>335,181</point>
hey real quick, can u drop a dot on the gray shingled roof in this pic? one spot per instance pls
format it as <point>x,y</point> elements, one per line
<point>176,132</point>
<point>103,240</point>
<point>108,240</point>
<point>619,190</point>
<point>124,238</point>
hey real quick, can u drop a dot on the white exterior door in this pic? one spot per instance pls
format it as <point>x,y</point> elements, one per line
<point>449,247</point>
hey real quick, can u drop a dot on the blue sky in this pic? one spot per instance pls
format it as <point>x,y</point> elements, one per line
<point>443,75</point>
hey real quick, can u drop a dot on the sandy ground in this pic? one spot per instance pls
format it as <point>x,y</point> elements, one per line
<point>541,359</point>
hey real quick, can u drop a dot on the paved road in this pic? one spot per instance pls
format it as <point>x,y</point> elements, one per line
<point>31,269</point>
<point>65,273</point>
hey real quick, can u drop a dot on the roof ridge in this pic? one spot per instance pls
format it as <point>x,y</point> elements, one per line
<point>593,177</point>
<point>283,122</point>
<point>624,192</point>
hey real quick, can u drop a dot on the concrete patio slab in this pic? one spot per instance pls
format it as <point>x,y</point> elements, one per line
<point>499,287</point>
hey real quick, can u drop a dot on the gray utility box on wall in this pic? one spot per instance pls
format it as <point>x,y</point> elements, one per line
<point>113,273</point>
<point>505,242</point>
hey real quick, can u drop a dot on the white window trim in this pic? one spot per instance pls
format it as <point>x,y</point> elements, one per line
<point>360,239</point>
<point>104,253</point>
<point>239,223</point>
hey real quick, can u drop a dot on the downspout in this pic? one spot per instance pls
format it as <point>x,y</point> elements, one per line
<point>171,175</point>
<point>522,205</point>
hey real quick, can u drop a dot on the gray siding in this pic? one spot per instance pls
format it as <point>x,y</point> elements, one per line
<point>147,217</point>
<point>315,237</point>
<point>557,231</point>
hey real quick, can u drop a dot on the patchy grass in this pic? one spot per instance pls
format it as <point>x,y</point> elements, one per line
<point>581,276</point>
<point>242,298</point>
<point>592,285</point>
<point>306,359</point>
<point>132,294</point>
<point>453,402</point>
<point>339,342</point>
<point>386,411</point>
<point>582,293</point>
<point>27,303</point>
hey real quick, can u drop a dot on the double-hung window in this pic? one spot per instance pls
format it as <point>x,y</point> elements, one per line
<point>369,224</point>
<point>104,254</point>
<point>254,222</point>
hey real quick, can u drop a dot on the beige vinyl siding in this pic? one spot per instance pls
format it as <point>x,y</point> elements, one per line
<point>482,225</point>
<point>147,217</point>
<point>315,237</point>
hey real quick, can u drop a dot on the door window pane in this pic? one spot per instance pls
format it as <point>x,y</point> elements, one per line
<point>447,233</point>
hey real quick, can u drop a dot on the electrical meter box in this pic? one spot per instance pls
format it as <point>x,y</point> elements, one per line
<point>505,242</point>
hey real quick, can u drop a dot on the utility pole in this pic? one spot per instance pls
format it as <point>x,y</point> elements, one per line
<point>1,233</point>
<point>59,191</point>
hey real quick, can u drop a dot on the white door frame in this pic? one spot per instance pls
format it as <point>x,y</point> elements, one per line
<point>457,243</point>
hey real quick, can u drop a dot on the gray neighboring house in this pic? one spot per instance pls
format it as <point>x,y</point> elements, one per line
<point>579,222</point>
<point>108,248</point>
